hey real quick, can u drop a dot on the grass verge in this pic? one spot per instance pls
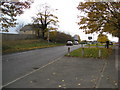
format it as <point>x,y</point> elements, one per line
<point>91,53</point>
<point>98,45</point>
<point>24,45</point>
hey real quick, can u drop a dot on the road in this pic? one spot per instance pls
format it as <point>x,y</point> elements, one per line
<point>19,64</point>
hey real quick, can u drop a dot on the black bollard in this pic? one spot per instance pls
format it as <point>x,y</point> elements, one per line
<point>107,44</point>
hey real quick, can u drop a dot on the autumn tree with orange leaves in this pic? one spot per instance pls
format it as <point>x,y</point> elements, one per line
<point>8,13</point>
<point>100,17</point>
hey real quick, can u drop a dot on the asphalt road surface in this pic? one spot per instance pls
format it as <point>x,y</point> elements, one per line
<point>19,64</point>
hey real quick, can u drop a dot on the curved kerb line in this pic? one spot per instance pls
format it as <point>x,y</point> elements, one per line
<point>30,72</point>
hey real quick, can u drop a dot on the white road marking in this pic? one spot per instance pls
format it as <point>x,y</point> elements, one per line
<point>101,75</point>
<point>30,73</point>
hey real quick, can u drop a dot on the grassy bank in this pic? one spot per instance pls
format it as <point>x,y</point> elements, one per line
<point>24,45</point>
<point>91,52</point>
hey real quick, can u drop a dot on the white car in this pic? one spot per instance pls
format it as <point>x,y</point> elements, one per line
<point>69,43</point>
<point>76,43</point>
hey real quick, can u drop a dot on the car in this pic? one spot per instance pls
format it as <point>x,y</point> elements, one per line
<point>69,43</point>
<point>76,43</point>
<point>111,43</point>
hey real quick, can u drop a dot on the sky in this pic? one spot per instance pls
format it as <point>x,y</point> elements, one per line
<point>67,15</point>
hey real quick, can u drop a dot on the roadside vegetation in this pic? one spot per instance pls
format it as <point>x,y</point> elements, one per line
<point>92,52</point>
<point>99,44</point>
<point>55,39</point>
<point>24,45</point>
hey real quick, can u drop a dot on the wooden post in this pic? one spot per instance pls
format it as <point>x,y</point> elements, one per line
<point>97,45</point>
<point>68,51</point>
<point>82,51</point>
<point>82,45</point>
<point>99,52</point>
<point>89,45</point>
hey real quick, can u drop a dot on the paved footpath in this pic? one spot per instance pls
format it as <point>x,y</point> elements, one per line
<point>72,72</point>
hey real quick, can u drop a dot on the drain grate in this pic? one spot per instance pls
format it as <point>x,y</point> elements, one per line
<point>35,68</point>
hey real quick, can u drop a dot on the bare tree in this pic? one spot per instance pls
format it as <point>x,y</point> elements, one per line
<point>45,19</point>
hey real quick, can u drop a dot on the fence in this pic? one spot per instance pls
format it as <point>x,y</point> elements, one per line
<point>12,37</point>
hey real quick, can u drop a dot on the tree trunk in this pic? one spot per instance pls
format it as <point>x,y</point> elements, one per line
<point>43,35</point>
<point>38,34</point>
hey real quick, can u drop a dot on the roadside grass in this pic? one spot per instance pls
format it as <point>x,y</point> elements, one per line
<point>92,52</point>
<point>98,45</point>
<point>95,45</point>
<point>24,45</point>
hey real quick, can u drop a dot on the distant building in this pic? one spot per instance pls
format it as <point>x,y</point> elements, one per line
<point>27,29</point>
<point>76,37</point>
